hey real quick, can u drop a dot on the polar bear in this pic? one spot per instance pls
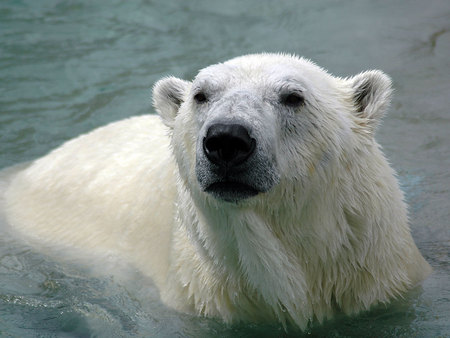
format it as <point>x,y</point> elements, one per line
<point>258,194</point>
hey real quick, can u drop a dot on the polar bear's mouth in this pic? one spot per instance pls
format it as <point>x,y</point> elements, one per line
<point>231,191</point>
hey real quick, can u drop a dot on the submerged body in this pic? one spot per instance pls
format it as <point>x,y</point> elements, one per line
<point>260,194</point>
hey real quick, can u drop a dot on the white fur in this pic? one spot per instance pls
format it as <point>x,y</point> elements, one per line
<point>331,235</point>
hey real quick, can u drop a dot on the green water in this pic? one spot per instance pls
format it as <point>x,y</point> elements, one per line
<point>67,67</point>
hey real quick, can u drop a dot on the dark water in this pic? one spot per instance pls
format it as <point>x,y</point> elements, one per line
<point>69,66</point>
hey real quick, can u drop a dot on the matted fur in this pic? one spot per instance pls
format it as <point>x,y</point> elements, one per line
<point>330,233</point>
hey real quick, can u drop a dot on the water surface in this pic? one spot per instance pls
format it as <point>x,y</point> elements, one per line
<point>67,67</point>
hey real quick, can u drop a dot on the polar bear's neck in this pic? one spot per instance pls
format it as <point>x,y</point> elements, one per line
<point>233,248</point>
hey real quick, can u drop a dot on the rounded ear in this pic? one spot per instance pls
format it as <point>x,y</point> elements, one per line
<point>168,95</point>
<point>371,91</point>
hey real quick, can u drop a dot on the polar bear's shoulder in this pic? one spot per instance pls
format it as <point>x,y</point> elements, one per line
<point>98,190</point>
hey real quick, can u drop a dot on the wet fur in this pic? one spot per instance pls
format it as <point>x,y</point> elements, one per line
<point>329,234</point>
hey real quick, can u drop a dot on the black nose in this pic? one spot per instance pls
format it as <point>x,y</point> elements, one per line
<point>228,144</point>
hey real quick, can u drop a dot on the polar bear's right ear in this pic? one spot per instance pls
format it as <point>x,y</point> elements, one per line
<point>168,95</point>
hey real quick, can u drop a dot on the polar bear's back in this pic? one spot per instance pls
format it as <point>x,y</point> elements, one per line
<point>101,192</point>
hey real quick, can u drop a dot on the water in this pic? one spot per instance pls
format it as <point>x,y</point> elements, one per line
<point>67,67</point>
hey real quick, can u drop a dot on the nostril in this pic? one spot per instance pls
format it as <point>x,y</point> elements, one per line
<point>212,143</point>
<point>228,144</point>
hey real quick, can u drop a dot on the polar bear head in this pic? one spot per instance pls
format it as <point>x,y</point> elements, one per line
<point>260,125</point>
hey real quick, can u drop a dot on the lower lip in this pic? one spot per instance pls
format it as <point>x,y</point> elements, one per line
<point>231,191</point>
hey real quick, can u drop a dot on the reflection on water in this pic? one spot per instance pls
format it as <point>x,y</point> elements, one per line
<point>69,66</point>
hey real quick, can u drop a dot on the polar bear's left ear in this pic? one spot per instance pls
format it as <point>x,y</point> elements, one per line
<point>168,95</point>
<point>372,91</point>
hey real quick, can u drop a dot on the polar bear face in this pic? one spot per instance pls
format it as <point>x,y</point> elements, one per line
<point>242,127</point>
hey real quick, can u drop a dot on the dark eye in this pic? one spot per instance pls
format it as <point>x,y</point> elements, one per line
<point>200,97</point>
<point>292,99</point>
